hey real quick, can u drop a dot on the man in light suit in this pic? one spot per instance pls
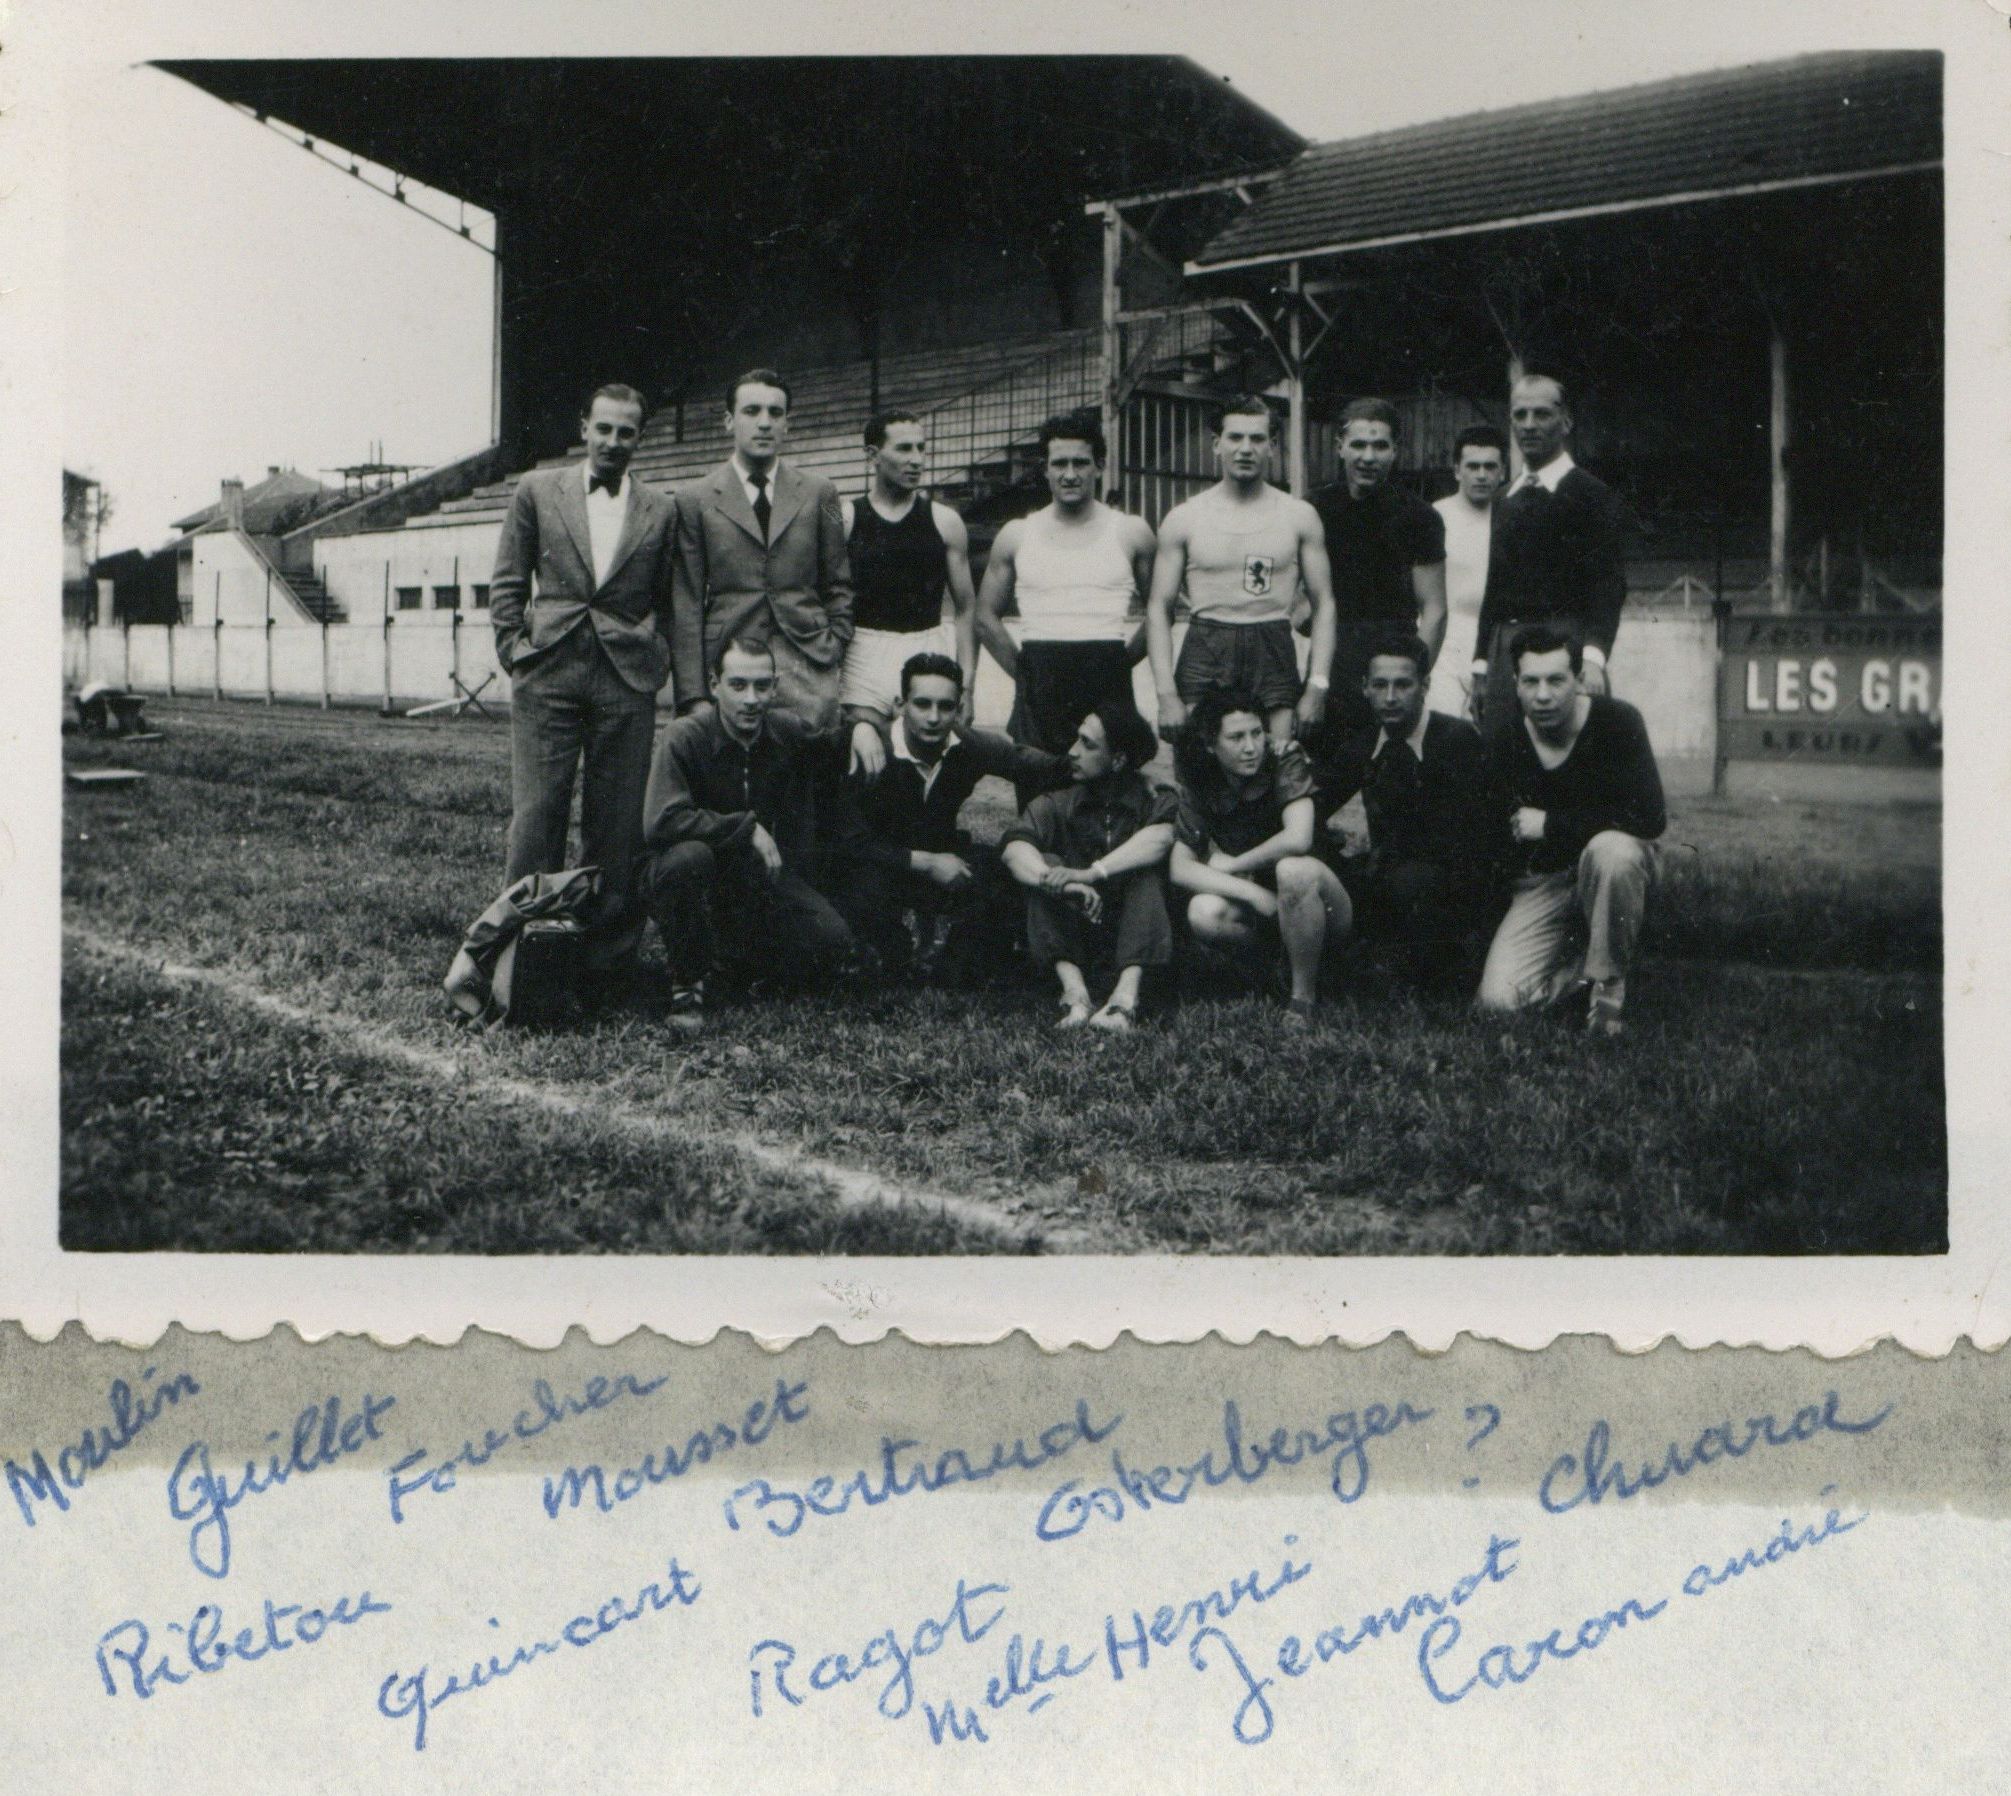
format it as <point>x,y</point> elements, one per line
<point>761,558</point>
<point>586,654</point>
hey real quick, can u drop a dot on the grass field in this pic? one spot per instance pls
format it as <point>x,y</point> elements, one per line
<point>256,1057</point>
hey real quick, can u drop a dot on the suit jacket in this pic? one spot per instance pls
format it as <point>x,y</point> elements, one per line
<point>1450,817</point>
<point>727,580</point>
<point>545,534</point>
<point>1558,555</point>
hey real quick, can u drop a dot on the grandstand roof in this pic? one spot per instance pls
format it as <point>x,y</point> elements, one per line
<point>498,131</point>
<point>662,216</point>
<point>1806,120</point>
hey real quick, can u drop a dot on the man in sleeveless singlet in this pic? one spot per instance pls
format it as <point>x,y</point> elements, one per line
<point>1076,568</point>
<point>907,553</point>
<point>1241,551</point>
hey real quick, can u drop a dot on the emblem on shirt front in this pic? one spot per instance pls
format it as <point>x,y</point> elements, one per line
<point>1257,575</point>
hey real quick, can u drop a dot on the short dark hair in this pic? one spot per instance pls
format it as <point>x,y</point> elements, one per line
<point>1244,405</point>
<point>930,665</point>
<point>756,377</point>
<point>746,645</point>
<point>1479,436</point>
<point>1210,712</point>
<point>1369,411</point>
<point>1545,639</point>
<point>620,394</point>
<point>877,425</point>
<point>1125,732</point>
<point>1405,643</point>
<point>1080,426</point>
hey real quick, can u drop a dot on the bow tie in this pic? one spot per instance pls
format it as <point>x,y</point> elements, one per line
<point>611,487</point>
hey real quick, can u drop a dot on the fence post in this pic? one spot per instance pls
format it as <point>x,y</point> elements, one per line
<point>126,645</point>
<point>216,656</point>
<point>387,639</point>
<point>324,659</point>
<point>268,635</point>
<point>171,657</point>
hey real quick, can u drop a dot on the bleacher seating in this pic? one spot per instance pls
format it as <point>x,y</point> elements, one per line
<point>829,407</point>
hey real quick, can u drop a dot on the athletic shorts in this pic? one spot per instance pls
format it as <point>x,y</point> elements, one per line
<point>874,659</point>
<point>1258,661</point>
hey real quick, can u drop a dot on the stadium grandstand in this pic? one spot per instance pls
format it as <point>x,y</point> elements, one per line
<point>1739,274</point>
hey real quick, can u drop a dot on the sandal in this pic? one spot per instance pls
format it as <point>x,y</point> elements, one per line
<point>1074,1013</point>
<point>1117,1018</point>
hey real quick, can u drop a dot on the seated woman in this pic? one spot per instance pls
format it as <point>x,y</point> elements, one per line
<point>1244,845</point>
<point>1091,859</point>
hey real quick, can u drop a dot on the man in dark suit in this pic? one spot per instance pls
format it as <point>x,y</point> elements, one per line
<point>761,558</point>
<point>1557,556</point>
<point>1424,874</point>
<point>580,600</point>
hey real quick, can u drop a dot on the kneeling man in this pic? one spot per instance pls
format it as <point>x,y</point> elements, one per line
<point>729,824</point>
<point>900,852</point>
<point>1584,799</point>
<point>1425,876</point>
<point>1091,859</point>
<point>1245,840</point>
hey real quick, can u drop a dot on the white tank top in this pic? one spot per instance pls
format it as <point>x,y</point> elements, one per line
<point>1242,560</point>
<point>1073,583</point>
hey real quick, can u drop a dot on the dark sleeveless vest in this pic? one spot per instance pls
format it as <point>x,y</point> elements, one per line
<point>898,570</point>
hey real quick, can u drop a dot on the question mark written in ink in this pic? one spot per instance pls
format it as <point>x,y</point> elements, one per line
<point>1493,1422</point>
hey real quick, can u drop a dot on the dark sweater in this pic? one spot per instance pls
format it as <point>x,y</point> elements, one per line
<point>1608,781</point>
<point>1448,816</point>
<point>883,820</point>
<point>1558,555</point>
<point>704,787</point>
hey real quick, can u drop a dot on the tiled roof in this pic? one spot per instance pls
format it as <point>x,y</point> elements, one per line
<point>1807,118</point>
<point>270,504</point>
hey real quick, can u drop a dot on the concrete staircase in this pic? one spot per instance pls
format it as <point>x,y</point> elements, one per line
<point>315,598</point>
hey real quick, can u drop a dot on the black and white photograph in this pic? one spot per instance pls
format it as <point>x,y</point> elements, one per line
<point>1157,653</point>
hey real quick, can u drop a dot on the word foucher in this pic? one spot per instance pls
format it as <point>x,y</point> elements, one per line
<point>546,1409</point>
<point>202,1648</point>
<point>321,1435</point>
<point>415,1696</point>
<point>1345,1434</point>
<point>827,1495</point>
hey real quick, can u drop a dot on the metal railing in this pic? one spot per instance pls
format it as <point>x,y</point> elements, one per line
<point>981,427</point>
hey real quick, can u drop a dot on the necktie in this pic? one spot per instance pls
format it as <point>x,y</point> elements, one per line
<point>762,509</point>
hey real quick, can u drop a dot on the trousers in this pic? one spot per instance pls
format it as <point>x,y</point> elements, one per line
<point>724,913</point>
<point>967,931</point>
<point>1134,931</point>
<point>1579,922</point>
<point>572,715</point>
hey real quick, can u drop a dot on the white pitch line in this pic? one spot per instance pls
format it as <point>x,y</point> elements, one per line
<point>854,1189</point>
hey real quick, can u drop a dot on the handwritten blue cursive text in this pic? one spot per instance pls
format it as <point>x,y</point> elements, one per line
<point>204,1498</point>
<point>201,1645</point>
<point>415,1696</point>
<point>826,1495</point>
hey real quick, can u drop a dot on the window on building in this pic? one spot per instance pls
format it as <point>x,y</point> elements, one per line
<point>446,598</point>
<point>478,598</point>
<point>410,598</point>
